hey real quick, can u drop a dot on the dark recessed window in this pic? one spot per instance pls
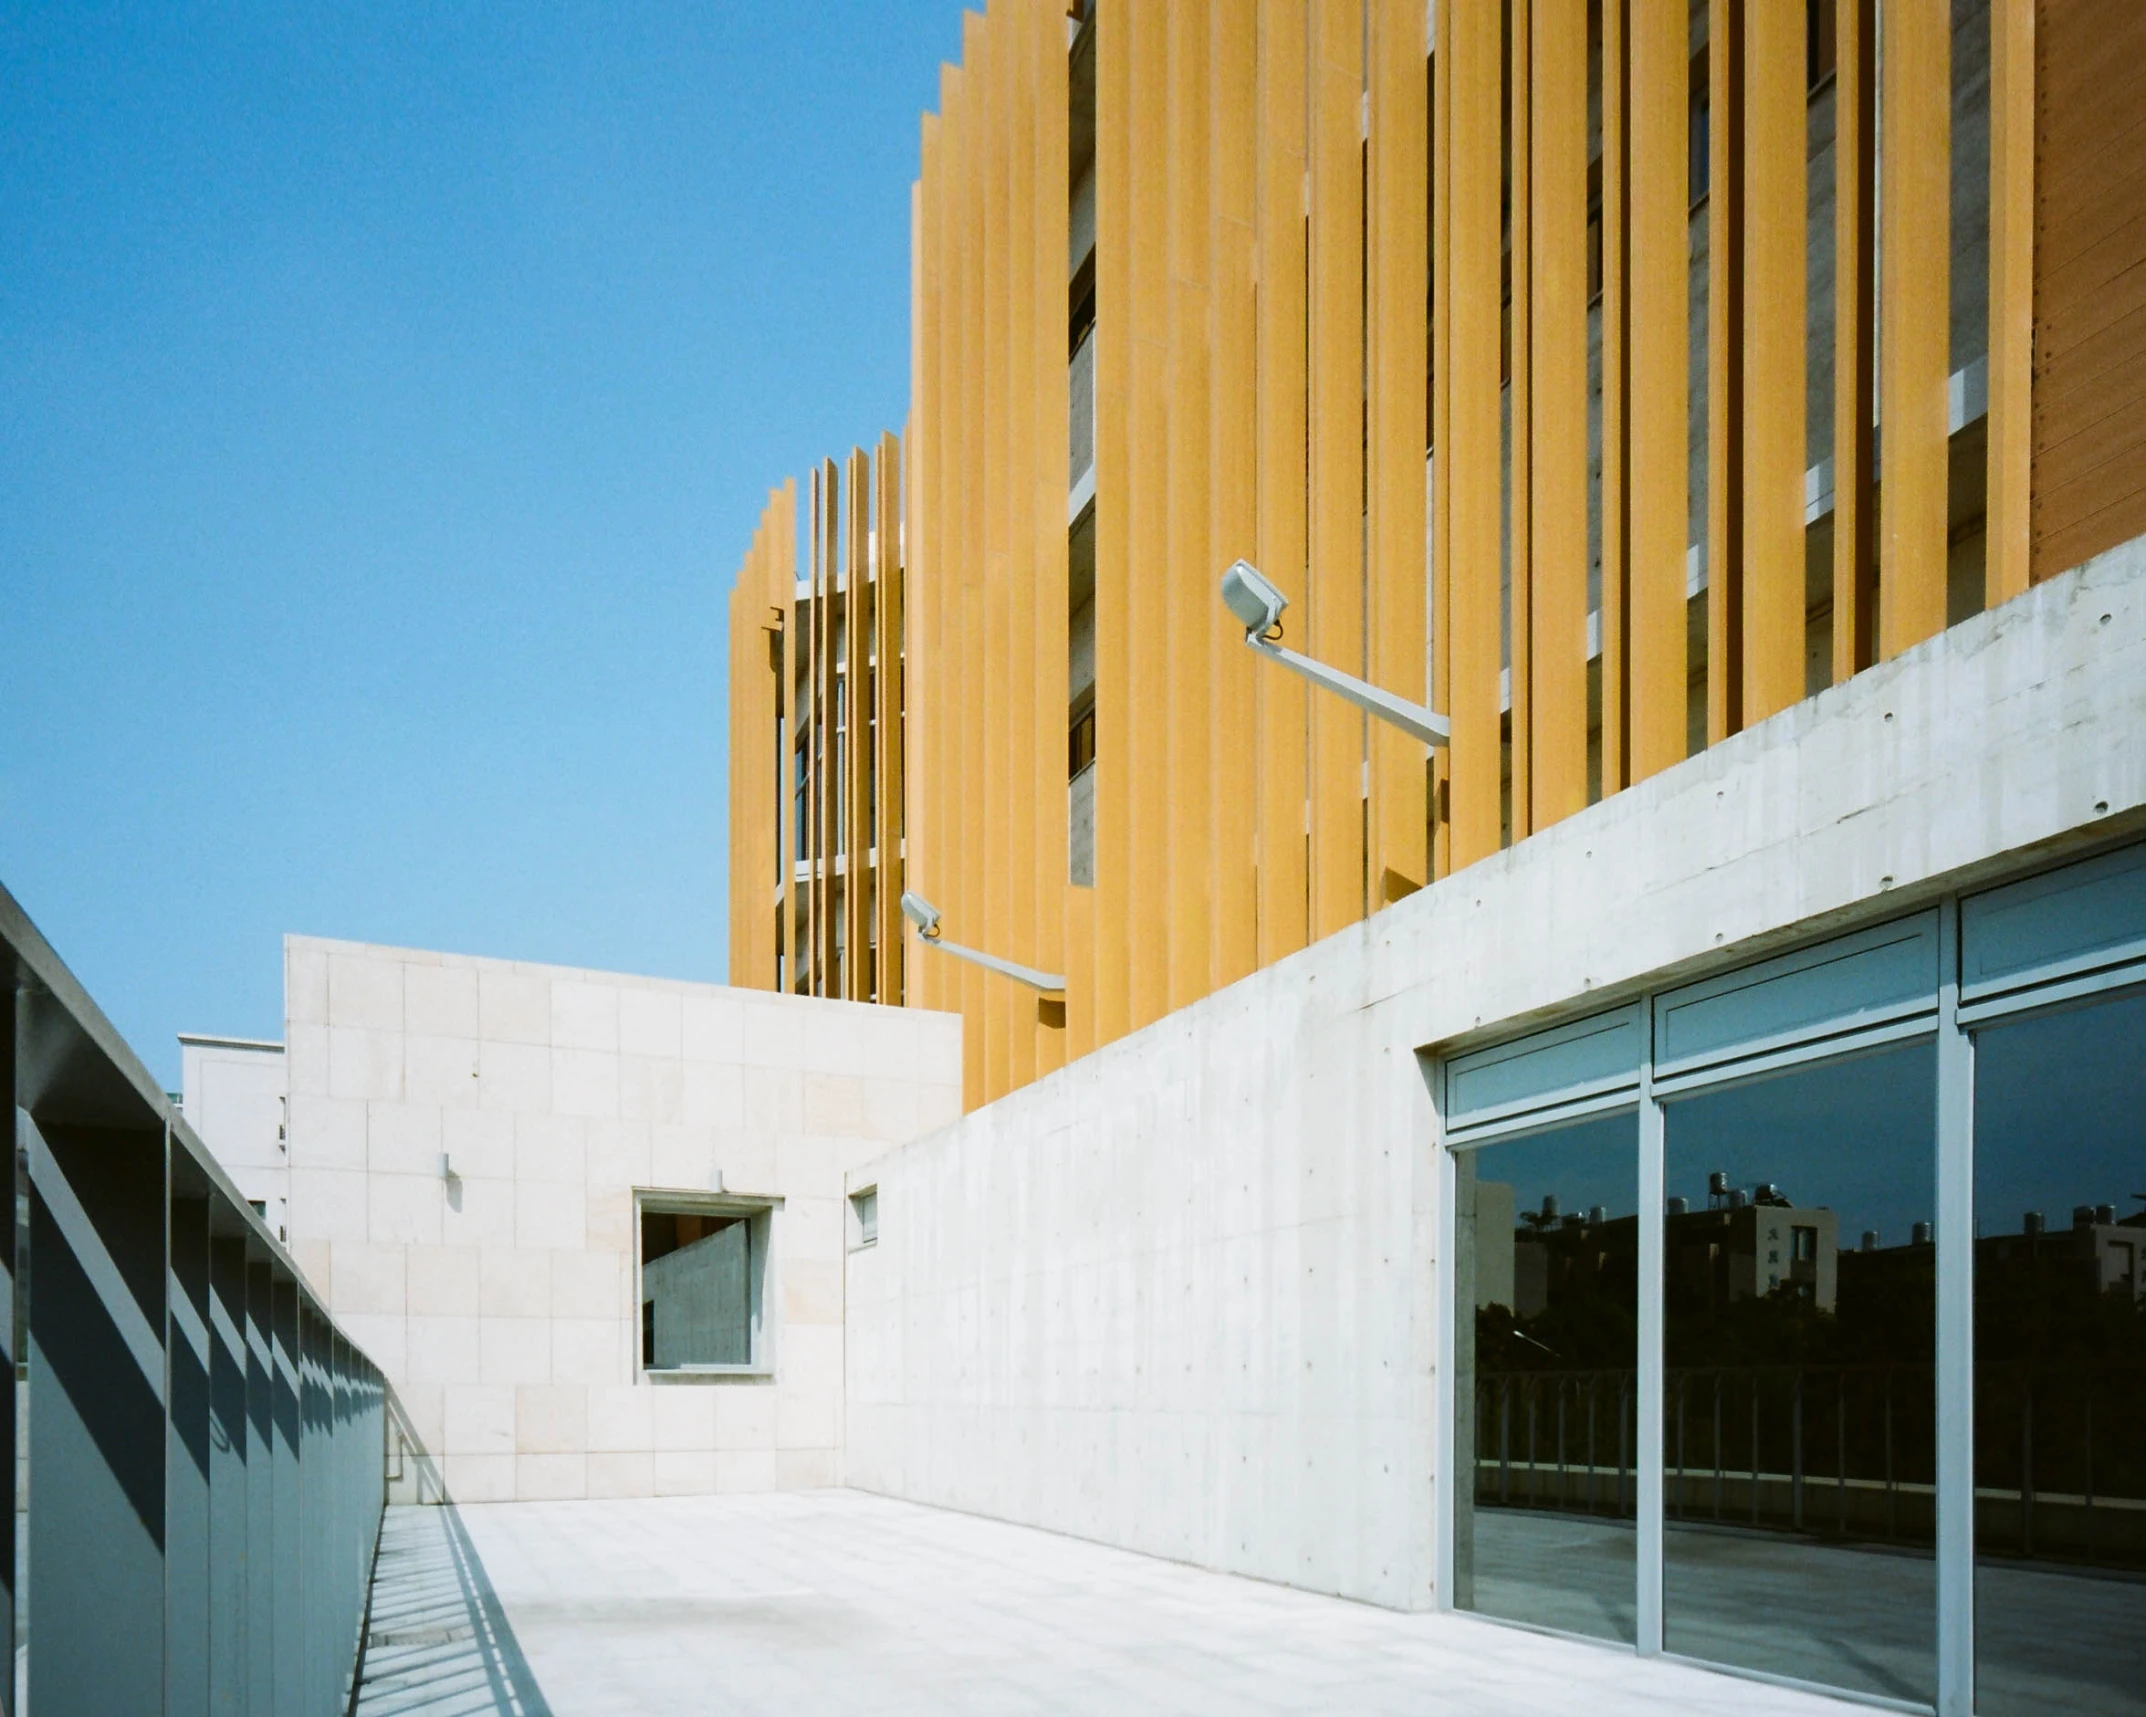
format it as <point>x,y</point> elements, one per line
<point>702,1269</point>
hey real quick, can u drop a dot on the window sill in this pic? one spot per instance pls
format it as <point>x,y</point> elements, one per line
<point>708,1374</point>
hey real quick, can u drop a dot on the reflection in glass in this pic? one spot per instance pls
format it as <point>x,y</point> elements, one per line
<point>1546,1292</point>
<point>2060,1362</point>
<point>1799,1422</point>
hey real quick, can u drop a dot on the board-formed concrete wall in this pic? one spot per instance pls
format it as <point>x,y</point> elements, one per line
<point>1181,1296</point>
<point>501,1301</point>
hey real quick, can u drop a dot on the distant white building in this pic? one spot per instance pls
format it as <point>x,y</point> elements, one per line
<point>234,1092</point>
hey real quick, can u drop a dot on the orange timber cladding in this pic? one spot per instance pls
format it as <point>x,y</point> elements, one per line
<point>1222,278</point>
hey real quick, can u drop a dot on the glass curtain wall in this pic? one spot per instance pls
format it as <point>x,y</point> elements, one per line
<point>1806,1169</point>
<point>1547,1266</point>
<point>2060,1362</point>
<point>1799,1341</point>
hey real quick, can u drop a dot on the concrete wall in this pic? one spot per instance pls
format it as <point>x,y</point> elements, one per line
<point>698,1300</point>
<point>1180,1296</point>
<point>232,1091</point>
<point>501,1301</point>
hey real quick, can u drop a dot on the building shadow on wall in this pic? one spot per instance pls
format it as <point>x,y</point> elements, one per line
<point>437,1639</point>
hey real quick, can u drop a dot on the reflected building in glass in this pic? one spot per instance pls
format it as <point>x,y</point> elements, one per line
<point>1799,1320</point>
<point>1548,1257</point>
<point>1799,1424</point>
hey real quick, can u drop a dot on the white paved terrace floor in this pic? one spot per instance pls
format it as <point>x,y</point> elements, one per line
<point>842,1602</point>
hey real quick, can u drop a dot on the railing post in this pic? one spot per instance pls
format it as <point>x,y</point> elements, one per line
<point>1795,1469</point>
<point>2026,1460</point>
<point>1754,1448</point>
<point>1594,1383</point>
<point>1505,1440</point>
<point>1534,1476</point>
<point>1563,1497</point>
<point>2087,1486</point>
<point>1840,1445</point>
<point>229,1479</point>
<point>261,1486</point>
<point>96,1565</point>
<point>1719,1458</point>
<point>1624,1448</point>
<point>1892,1490</point>
<point>186,1461</point>
<point>289,1584</point>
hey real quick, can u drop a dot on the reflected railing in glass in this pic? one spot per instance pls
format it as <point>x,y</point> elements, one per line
<point>1546,1340</point>
<point>1799,1414</point>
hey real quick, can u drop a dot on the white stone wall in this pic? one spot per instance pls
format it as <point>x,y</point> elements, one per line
<point>1181,1295</point>
<point>501,1302</point>
<point>232,1093</point>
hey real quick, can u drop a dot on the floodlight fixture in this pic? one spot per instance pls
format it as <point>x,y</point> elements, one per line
<point>1257,604</point>
<point>925,917</point>
<point>922,914</point>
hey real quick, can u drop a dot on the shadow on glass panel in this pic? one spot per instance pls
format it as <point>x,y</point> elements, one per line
<point>1799,1418</point>
<point>2060,1362</point>
<point>1547,1247</point>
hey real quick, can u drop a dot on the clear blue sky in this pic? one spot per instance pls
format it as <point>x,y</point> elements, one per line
<point>387,396</point>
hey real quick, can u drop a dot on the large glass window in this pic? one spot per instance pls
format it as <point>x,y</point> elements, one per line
<point>1547,1306</point>
<point>1799,1422</point>
<point>2060,1362</point>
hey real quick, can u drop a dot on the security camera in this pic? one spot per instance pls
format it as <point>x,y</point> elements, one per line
<point>922,914</point>
<point>1255,602</point>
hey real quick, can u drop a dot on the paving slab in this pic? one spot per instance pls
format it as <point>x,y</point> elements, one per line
<point>842,1601</point>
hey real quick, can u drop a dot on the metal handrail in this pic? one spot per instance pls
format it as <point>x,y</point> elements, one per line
<point>206,1463</point>
<point>1844,1450</point>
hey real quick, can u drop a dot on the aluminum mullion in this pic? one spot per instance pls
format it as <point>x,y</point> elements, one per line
<point>1955,1336</point>
<point>1647,1457</point>
<point>1444,1509</point>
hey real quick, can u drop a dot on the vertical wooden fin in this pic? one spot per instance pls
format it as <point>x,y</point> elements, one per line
<point>1657,468</point>
<point>1557,458</point>
<point>1855,560</point>
<point>1330,613</point>
<point>1281,703</point>
<point>2011,354</point>
<point>1915,329</point>
<point>1470,463</point>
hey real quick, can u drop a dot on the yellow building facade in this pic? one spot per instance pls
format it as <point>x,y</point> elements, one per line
<point>1572,368</point>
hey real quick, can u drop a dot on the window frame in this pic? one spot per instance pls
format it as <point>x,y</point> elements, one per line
<point>761,1248</point>
<point>862,1230</point>
<point>2074,978</point>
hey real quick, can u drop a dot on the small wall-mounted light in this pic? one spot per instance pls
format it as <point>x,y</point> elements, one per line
<point>447,1167</point>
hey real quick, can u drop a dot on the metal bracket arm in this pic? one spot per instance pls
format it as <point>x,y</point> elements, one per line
<point>1049,983</point>
<point>1426,725</point>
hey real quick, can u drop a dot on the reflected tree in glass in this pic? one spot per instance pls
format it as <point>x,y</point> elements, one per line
<point>1799,1422</point>
<point>1547,1308</point>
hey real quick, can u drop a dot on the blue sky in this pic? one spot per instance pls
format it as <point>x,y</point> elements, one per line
<point>387,396</point>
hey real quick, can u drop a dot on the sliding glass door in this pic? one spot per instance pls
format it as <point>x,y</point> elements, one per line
<point>2060,1362</point>
<point>1547,1261</point>
<point>1798,1410</point>
<point>1800,1311</point>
